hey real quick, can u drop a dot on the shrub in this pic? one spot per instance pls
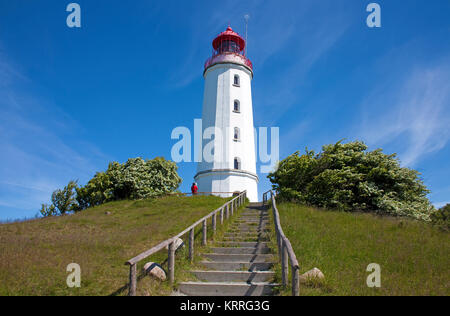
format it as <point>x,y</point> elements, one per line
<point>348,177</point>
<point>48,210</point>
<point>441,217</point>
<point>140,179</point>
<point>97,191</point>
<point>65,200</point>
<point>135,179</point>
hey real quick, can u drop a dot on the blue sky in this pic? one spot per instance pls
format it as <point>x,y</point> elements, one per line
<point>72,100</point>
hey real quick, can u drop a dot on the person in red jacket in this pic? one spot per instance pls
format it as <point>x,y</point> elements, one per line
<point>194,188</point>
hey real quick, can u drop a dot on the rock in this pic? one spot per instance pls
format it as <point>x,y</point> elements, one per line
<point>312,276</point>
<point>179,243</point>
<point>107,213</point>
<point>155,270</point>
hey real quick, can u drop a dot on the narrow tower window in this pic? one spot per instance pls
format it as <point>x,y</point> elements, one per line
<point>237,134</point>
<point>236,82</point>
<point>237,163</point>
<point>237,106</point>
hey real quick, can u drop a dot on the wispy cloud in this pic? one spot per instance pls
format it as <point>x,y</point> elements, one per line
<point>35,157</point>
<point>417,115</point>
<point>309,44</point>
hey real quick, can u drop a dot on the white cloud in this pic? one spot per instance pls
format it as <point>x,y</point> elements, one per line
<point>415,113</point>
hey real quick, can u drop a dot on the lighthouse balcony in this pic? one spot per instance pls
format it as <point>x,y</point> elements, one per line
<point>229,57</point>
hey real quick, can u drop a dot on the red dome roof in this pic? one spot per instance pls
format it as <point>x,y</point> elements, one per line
<point>229,35</point>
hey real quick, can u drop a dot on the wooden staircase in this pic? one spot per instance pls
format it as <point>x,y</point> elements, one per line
<point>241,263</point>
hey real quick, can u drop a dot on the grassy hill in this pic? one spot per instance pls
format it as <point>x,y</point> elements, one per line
<point>414,256</point>
<point>34,254</point>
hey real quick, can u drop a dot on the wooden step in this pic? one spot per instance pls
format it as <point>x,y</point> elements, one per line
<point>241,250</point>
<point>227,288</point>
<point>221,257</point>
<point>237,266</point>
<point>234,276</point>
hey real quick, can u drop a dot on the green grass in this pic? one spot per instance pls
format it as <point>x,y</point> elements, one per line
<point>414,256</point>
<point>34,254</point>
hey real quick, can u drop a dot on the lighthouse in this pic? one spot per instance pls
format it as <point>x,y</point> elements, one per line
<point>228,163</point>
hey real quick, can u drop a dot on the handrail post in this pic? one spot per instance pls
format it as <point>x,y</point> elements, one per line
<point>284,264</point>
<point>214,224</point>
<point>191,244</point>
<point>132,290</point>
<point>295,282</point>
<point>221,216</point>
<point>171,262</point>
<point>204,233</point>
<point>279,244</point>
<point>227,212</point>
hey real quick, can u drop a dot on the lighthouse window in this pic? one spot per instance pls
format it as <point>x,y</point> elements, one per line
<point>228,46</point>
<point>237,106</point>
<point>236,80</point>
<point>237,133</point>
<point>237,163</point>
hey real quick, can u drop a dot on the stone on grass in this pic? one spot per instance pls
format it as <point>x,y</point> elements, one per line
<point>179,243</point>
<point>155,270</point>
<point>314,275</point>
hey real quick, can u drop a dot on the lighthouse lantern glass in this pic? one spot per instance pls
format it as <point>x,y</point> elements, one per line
<point>228,46</point>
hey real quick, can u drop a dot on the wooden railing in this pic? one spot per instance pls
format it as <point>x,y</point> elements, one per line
<point>225,210</point>
<point>285,251</point>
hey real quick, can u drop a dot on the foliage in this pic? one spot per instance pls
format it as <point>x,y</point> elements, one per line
<point>96,192</point>
<point>140,179</point>
<point>135,179</point>
<point>48,210</point>
<point>348,177</point>
<point>441,217</point>
<point>65,200</point>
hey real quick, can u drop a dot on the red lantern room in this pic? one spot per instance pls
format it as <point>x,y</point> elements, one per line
<point>229,47</point>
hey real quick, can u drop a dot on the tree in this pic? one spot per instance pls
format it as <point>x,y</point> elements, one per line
<point>140,179</point>
<point>48,210</point>
<point>97,191</point>
<point>348,177</point>
<point>135,179</point>
<point>65,200</point>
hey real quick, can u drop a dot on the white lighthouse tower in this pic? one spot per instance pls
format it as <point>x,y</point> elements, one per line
<point>229,164</point>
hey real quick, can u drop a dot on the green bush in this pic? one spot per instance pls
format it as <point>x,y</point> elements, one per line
<point>441,217</point>
<point>348,177</point>
<point>135,179</point>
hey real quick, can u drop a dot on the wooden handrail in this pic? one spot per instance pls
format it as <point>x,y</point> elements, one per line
<point>285,250</point>
<point>230,206</point>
